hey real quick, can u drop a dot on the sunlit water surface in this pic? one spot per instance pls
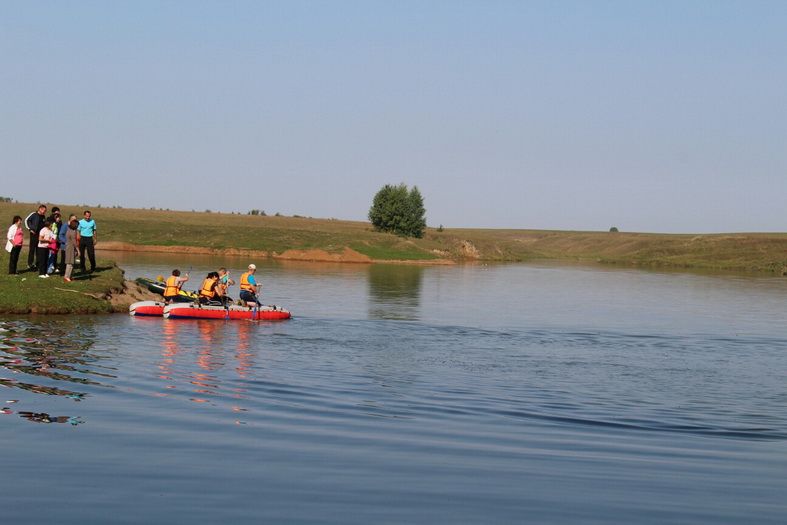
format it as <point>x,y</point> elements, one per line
<point>398,394</point>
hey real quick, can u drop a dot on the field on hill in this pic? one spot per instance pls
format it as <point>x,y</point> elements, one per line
<point>354,241</point>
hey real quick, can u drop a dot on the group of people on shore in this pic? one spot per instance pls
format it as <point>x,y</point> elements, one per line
<point>54,244</point>
<point>215,286</point>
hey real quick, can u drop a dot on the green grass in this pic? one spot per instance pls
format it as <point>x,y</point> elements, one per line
<point>27,293</point>
<point>766,252</point>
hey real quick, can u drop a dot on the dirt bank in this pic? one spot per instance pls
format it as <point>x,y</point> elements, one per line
<point>131,293</point>
<point>348,255</point>
<point>116,246</point>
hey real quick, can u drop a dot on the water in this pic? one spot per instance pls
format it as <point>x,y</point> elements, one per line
<point>397,394</point>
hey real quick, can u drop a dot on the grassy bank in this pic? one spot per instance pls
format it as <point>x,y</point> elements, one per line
<point>328,239</point>
<point>27,293</point>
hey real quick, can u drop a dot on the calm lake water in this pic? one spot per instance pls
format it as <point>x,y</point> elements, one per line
<point>469,394</point>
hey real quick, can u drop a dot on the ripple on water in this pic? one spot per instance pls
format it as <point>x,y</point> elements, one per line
<point>50,358</point>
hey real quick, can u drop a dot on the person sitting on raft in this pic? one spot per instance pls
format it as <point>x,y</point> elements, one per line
<point>249,287</point>
<point>224,285</point>
<point>210,290</point>
<point>174,282</point>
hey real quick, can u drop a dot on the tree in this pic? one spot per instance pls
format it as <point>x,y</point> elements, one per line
<point>398,210</point>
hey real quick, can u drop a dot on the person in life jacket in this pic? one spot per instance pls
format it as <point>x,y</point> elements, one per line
<point>174,282</point>
<point>209,291</point>
<point>249,287</point>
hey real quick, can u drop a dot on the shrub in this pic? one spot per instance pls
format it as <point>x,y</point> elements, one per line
<point>614,229</point>
<point>398,210</point>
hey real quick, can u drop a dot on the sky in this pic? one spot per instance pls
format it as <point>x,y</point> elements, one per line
<point>666,116</point>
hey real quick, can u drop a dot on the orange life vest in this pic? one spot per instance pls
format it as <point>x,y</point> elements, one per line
<point>244,282</point>
<point>207,288</point>
<point>173,287</point>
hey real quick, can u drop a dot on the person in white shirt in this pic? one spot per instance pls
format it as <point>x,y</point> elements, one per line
<point>42,255</point>
<point>15,237</point>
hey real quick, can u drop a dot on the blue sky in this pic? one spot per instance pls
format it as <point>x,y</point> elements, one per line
<point>649,116</point>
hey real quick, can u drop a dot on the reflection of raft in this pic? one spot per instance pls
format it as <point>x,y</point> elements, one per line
<point>194,311</point>
<point>158,287</point>
<point>148,308</point>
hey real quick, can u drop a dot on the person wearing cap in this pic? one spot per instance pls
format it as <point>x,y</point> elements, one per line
<point>249,287</point>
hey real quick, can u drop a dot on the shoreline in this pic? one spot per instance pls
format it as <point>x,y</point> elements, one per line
<point>348,255</point>
<point>307,239</point>
<point>104,291</point>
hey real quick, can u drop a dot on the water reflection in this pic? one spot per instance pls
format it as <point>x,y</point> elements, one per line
<point>194,353</point>
<point>44,356</point>
<point>395,291</point>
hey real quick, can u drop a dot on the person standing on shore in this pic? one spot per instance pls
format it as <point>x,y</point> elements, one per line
<point>15,238</point>
<point>55,224</point>
<point>62,240</point>
<point>87,241</point>
<point>55,214</point>
<point>70,247</point>
<point>45,236</point>
<point>34,223</point>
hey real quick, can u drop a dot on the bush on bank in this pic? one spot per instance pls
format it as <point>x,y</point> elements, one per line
<point>398,210</point>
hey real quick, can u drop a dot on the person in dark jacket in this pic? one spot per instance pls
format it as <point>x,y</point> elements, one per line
<point>34,223</point>
<point>55,214</point>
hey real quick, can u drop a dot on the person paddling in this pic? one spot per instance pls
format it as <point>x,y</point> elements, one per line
<point>209,291</point>
<point>249,287</point>
<point>225,281</point>
<point>174,282</point>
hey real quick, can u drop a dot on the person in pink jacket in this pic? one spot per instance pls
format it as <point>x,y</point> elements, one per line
<point>15,237</point>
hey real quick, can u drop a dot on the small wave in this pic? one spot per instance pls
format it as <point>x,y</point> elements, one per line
<point>752,433</point>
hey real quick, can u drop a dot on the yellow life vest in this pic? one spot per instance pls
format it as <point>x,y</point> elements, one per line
<point>173,287</point>
<point>244,282</point>
<point>207,288</point>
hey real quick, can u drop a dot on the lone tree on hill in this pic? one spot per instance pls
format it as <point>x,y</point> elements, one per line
<point>398,210</point>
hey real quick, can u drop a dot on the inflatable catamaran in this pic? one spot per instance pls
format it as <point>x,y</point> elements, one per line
<point>197,311</point>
